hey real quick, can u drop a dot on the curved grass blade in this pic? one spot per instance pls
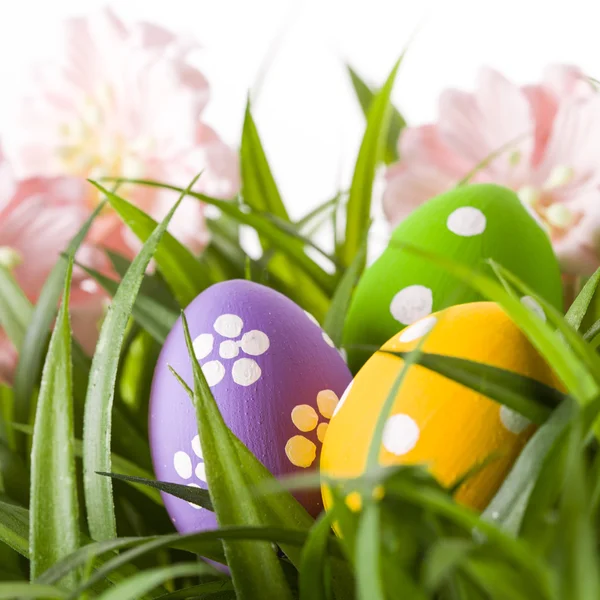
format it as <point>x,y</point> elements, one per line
<point>152,316</point>
<point>209,590</point>
<point>258,185</point>
<point>312,582</point>
<point>279,239</point>
<point>18,589</point>
<point>142,583</point>
<point>317,213</point>
<point>14,527</point>
<point>32,348</point>
<point>101,390</point>
<point>577,379</point>
<point>369,583</point>
<point>397,123</point>
<point>185,275</point>
<point>254,567</point>
<point>197,496</point>
<point>54,507</point>
<point>336,315</point>
<point>358,212</point>
<point>581,304</point>
<point>527,396</point>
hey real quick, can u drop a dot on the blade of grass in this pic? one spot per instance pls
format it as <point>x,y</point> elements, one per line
<point>18,589</point>
<point>15,308</point>
<point>258,185</point>
<point>579,308</point>
<point>101,389</point>
<point>336,315</point>
<point>142,583</point>
<point>184,274</point>
<point>255,569</point>
<point>33,346</point>
<point>14,527</point>
<point>358,212</point>
<point>54,507</point>
<point>312,583</point>
<point>369,583</point>
<point>197,496</point>
<point>204,591</point>
<point>397,123</point>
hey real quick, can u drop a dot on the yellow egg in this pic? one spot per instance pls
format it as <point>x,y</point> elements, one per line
<point>434,420</point>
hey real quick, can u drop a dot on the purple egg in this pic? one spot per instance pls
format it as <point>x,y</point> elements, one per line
<point>275,375</point>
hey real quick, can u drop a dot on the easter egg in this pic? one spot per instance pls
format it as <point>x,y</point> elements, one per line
<point>469,225</point>
<point>275,376</point>
<point>434,420</point>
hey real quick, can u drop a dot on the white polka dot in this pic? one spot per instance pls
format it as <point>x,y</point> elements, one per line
<point>203,345</point>
<point>411,304</point>
<point>201,472</point>
<point>196,447</point>
<point>343,354</point>
<point>228,349</point>
<point>229,325</point>
<point>466,221</point>
<point>194,485</point>
<point>312,318</point>
<point>400,434</point>
<point>255,342</point>
<point>418,330</point>
<point>534,306</point>
<point>513,421</point>
<point>214,372</point>
<point>245,371</point>
<point>327,339</point>
<point>183,464</point>
<point>342,399</point>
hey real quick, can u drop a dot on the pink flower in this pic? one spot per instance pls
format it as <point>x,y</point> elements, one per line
<point>124,101</point>
<point>38,218</point>
<point>543,141</point>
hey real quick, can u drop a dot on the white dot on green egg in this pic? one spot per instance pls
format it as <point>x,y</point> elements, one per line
<point>466,221</point>
<point>229,325</point>
<point>534,306</point>
<point>411,304</point>
<point>203,345</point>
<point>255,342</point>
<point>328,339</point>
<point>342,399</point>
<point>245,372</point>
<point>201,472</point>
<point>400,434</point>
<point>183,464</point>
<point>513,421</point>
<point>194,485</point>
<point>418,330</point>
<point>228,349</point>
<point>214,372</point>
<point>196,447</point>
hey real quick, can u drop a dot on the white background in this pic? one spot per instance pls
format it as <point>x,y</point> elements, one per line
<point>305,109</point>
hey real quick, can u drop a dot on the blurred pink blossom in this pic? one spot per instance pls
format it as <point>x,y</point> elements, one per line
<point>545,144</point>
<point>38,218</point>
<point>124,101</point>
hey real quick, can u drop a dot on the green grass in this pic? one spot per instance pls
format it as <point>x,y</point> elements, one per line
<point>70,529</point>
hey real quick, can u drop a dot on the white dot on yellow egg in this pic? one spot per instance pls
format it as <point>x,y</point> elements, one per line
<point>513,421</point>
<point>411,304</point>
<point>183,464</point>
<point>229,325</point>
<point>466,221</point>
<point>400,434</point>
<point>418,330</point>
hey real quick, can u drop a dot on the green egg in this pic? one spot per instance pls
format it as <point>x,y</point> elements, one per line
<point>468,224</point>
